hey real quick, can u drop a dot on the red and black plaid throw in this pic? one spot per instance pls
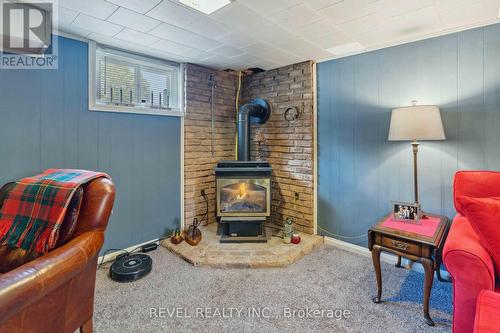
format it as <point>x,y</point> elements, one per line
<point>34,209</point>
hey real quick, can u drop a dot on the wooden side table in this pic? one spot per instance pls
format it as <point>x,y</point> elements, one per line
<point>420,243</point>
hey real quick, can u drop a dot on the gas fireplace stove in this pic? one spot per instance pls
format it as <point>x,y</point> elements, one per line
<point>244,186</point>
<point>243,200</point>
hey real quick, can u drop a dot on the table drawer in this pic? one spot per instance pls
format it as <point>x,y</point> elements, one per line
<point>401,245</point>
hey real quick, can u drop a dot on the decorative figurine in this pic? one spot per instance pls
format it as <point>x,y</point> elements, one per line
<point>193,234</point>
<point>288,230</point>
<point>176,237</point>
<point>295,238</point>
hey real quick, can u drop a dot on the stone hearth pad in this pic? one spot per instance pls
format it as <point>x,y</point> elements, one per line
<point>274,253</point>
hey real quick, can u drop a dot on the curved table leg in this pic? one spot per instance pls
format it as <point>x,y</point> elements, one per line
<point>378,272</point>
<point>438,267</point>
<point>429,277</point>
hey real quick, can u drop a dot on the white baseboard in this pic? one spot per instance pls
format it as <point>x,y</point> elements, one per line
<point>112,256</point>
<point>384,257</point>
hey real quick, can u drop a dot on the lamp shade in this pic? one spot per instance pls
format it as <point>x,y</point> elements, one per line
<point>418,122</point>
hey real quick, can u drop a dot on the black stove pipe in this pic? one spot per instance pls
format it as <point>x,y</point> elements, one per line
<point>257,109</point>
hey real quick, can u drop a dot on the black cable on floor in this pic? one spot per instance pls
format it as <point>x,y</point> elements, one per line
<point>106,252</point>
<point>129,252</point>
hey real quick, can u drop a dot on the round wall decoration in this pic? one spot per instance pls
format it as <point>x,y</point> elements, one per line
<point>292,113</point>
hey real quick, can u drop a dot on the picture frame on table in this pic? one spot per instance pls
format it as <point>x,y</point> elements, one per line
<point>410,212</point>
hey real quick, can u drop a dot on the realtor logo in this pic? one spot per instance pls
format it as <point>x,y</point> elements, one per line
<point>27,35</point>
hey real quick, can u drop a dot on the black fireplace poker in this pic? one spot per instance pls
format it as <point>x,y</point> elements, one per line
<point>258,111</point>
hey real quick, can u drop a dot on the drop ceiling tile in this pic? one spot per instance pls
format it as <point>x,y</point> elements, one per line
<point>238,17</point>
<point>179,35</point>
<point>421,21</point>
<point>269,7</point>
<point>469,14</point>
<point>402,28</point>
<point>140,6</point>
<point>320,4</point>
<point>294,59</point>
<point>208,28</point>
<point>449,4</point>
<point>363,25</point>
<point>246,58</point>
<point>95,25</point>
<point>297,16</point>
<point>174,14</point>
<point>375,38</point>
<point>268,65</point>
<point>331,40</point>
<point>237,39</point>
<point>273,34</point>
<point>66,16</point>
<point>227,51</point>
<point>417,21</point>
<point>279,56</point>
<point>390,8</point>
<point>199,54</point>
<point>141,49</point>
<point>72,30</point>
<point>169,46</point>
<point>96,8</point>
<point>346,49</point>
<point>257,48</point>
<point>215,61</point>
<point>303,49</point>
<point>236,66</point>
<point>349,10</point>
<point>133,20</point>
<point>314,30</point>
<point>137,37</point>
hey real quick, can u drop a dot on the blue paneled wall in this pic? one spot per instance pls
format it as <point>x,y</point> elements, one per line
<point>360,172</point>
<point>45,123</point>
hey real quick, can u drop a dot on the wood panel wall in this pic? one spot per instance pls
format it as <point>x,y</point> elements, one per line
<point>45,123</point>
<point>360,172</point>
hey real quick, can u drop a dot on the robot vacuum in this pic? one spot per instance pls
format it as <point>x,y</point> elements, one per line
<point>131,268</point>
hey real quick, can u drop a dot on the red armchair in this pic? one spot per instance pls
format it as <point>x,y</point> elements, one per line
<point>467,261</point>
<point>487,313</point>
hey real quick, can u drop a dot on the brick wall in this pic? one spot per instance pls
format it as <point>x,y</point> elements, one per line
<point>289,146</point>
<point>199,162</point>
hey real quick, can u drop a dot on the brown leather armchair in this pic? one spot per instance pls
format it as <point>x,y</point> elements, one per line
<point>55,292</point>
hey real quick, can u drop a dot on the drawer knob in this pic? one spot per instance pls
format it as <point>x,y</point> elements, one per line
<point>400,245</point>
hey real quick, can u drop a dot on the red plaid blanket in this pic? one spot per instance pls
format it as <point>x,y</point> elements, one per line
<point>34,209</point>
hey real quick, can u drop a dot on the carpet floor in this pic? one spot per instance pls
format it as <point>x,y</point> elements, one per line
<point>178,297</point>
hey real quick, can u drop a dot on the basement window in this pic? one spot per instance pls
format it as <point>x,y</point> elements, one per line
<point>120,81</point>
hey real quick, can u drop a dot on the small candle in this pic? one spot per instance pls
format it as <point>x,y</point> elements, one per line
<point>295,238</point>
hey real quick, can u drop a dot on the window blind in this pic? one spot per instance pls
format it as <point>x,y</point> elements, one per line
<point>116,81</point>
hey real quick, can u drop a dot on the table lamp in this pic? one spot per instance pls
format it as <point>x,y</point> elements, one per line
<point>414,123</point>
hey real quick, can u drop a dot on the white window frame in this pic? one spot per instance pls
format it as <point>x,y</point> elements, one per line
<point>147,61</point>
